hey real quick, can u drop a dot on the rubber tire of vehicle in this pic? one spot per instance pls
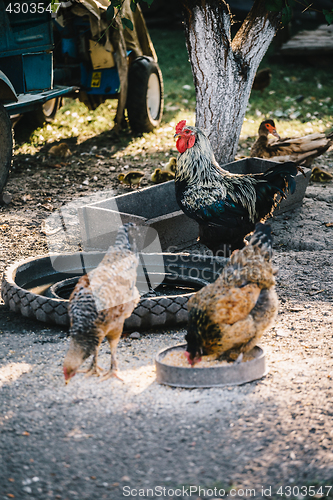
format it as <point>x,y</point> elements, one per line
<point>138,112</point>
<point>6,149</point>
<point>38,117</point>
<point>151,312</point>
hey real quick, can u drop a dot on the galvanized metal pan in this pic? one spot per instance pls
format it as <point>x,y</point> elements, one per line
<point>215,376</point>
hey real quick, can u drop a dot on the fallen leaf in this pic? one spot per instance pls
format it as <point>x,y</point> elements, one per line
<point>48,207</point>
<point>329,224</point>
<point>316,293</point>
<point>44,229</point>
<point>10,495</point>
<point>54,165</point>
<point>11,479</point>
<point>25,433</point>
<point>26,197</point>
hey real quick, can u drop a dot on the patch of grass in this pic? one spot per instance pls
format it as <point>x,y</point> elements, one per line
<point>299,99</point>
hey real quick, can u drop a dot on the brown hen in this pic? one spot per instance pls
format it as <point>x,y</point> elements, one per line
<point>228,317</point>
<point>99,305</point>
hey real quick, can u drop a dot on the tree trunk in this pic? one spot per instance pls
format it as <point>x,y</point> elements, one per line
<point>224,69</point>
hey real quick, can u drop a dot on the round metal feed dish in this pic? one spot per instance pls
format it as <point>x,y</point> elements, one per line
<point>215,376</point>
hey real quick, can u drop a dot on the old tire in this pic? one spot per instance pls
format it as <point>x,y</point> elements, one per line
<point>6,146</point>
<point>151,312</point>
<point>144,95</point>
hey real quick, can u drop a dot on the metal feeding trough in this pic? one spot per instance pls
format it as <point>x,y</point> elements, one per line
<point>156,207</point>
<point>215,376</point>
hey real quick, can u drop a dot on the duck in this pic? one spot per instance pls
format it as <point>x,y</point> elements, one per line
<point>159,176</point>
<point>133,177</point>
<point>301,150</point>
<point>319,175</point>
<point>171,166</point>
<point>262,79</point>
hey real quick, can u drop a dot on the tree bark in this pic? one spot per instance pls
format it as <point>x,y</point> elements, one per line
<point>223,69</point>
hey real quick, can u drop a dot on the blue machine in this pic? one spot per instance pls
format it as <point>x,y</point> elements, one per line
<point>32,72</point>
<point>26,59</point>
<point>43,58</point>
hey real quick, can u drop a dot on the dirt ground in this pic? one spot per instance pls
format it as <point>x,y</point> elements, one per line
<point>267,439</point>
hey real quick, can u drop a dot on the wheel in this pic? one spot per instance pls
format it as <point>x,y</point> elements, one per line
<point>26,287</point>
<point>49,109</point>
<point>144,94</point>
<point>44,112</point>
<point>6,149</point>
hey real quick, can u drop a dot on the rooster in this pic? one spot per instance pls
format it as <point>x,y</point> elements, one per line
<point>99,305</point>
<point>229,316</point>
<point>227,206</point>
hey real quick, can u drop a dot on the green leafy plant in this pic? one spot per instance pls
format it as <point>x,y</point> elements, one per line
<point>114,9</point>
<point>328,16</point>
<point>285,7</point>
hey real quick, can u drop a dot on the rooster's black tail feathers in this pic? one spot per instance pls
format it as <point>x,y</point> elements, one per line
<point>282,177</point>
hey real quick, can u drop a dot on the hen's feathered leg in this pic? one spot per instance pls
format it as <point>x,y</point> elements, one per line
<point>93,369</point>
<point>113,339</point>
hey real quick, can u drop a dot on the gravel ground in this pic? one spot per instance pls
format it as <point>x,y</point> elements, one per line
<point>112,440</point>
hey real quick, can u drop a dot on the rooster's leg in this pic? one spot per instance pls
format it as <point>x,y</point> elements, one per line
<point>113,372</point>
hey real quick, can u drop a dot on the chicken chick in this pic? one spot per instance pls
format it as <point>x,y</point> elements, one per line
<point>228,317</point>
<point>99,305</point>
<point>319,175</point>
<point>171,166</point>
<point>60,150</point>
<point>159,176</point>
<point>133,177</point>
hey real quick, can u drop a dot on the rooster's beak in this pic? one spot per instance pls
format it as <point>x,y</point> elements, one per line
<point>177,135</point>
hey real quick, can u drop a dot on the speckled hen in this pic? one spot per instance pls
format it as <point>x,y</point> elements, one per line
<point>99,305</point>
<point>227,206</point>
<point>228,317</point>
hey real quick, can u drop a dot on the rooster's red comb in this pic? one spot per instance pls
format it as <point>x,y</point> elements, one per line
<point>180,126</point>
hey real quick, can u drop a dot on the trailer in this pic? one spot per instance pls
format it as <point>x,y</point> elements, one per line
<point>46,55</point>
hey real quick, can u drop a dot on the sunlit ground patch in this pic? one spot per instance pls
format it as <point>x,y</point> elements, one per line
<point>139,379</point>
<point>13,371</point>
